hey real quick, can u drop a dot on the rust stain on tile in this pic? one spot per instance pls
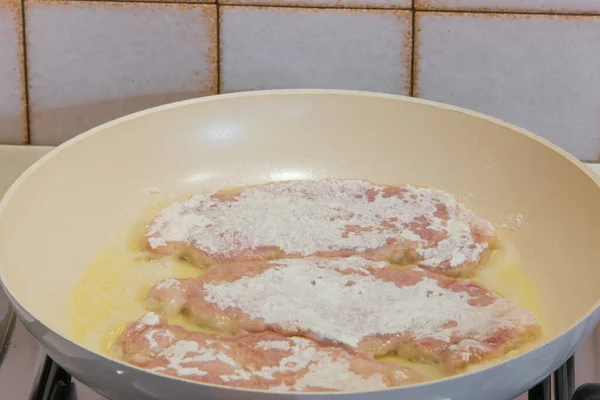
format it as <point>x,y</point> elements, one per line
<point>16,7</point>
<point>317,9</point>
<point>23,79</point>
<point>127,2</point>
<point>320,4</point>
<point>402,16</point>
<point>13,5</point>
<point>416,57</point>
<point>424,5</point>
<point>407,16</point>
<point>511,16</point>
<point>220,49</point>
<point>190,4</point>
<point>213,49</point>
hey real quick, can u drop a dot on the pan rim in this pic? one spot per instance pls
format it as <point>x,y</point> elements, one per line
<point>296,92</point>
<point>538,349</point>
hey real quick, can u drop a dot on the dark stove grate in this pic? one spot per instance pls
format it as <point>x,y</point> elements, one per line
<point>561,384</point>
<point>55,384</point>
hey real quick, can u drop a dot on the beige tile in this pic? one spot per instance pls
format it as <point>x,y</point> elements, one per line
<point>13,120</point>
<point>553,6</point>
<point>270,48</point>
<point>539,72</point>
<point>90,62</point>
<point>401,4</point>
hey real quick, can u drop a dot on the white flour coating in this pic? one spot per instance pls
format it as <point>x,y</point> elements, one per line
<point>453,246</point>
<point>178,354</point>
<point>152,334</point>
<point>401,375</point>
<point>301,355</point>
<point>325,372</point>
<point>167,283</point>
<point>273,345</point>
<point>322,370</point>
<point>299,294</point>
<point>336,375</point>
<point>150,319</point>
<point>305,217</point>
<point>354,262</point>
<point>316,367</point>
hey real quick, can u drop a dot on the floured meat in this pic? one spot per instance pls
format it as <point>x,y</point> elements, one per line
<point>356,303</point>
<point>400,224</point>
<point>265,361</point>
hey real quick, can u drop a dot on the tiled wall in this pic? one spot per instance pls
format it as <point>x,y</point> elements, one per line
<point>66,66</point>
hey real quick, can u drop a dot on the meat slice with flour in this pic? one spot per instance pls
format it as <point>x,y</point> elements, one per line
<point>265,361</point>
<point>359,304</point>
<point>328,218</point>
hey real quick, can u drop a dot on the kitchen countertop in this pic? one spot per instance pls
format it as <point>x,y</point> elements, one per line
<point>19,357</point>
<point>16,159</point>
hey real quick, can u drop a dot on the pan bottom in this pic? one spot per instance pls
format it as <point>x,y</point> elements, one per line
<point>114,288</point>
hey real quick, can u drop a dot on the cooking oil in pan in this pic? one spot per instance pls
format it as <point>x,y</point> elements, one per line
<point>113,290</point>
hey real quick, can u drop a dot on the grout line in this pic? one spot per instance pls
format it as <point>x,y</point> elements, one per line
<point>317,7</point>
<point>25,75</point>
<point>257,5</point>
<point>430,10</point>
<point>412,51</point>
<point>376,8</point>
<point>161,2</point>
<point>415,64</point>
<point>512,12</point>
<point>219,58</point>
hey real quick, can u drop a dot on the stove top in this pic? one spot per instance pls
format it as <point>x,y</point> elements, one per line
<point>27,373</point>
<point>5,319</point>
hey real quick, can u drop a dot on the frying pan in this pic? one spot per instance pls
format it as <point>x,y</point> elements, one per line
<point>60,213</point>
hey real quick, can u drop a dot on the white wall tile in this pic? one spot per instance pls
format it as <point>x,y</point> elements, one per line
<point>539,72</point>
<point>12,95</point>
<point>89,62</point>
<point>271,48</point>
<point>326,3</point>
<point>559,6</point>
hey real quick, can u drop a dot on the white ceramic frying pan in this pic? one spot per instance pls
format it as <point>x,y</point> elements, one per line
<point>60,213</point>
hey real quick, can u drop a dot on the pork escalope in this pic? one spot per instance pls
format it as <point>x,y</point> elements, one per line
<point>265,361</point>
<point>356,303</point>
<point>328,218</point>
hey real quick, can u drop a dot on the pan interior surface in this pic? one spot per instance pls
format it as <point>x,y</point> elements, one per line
<point>69,206</point>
